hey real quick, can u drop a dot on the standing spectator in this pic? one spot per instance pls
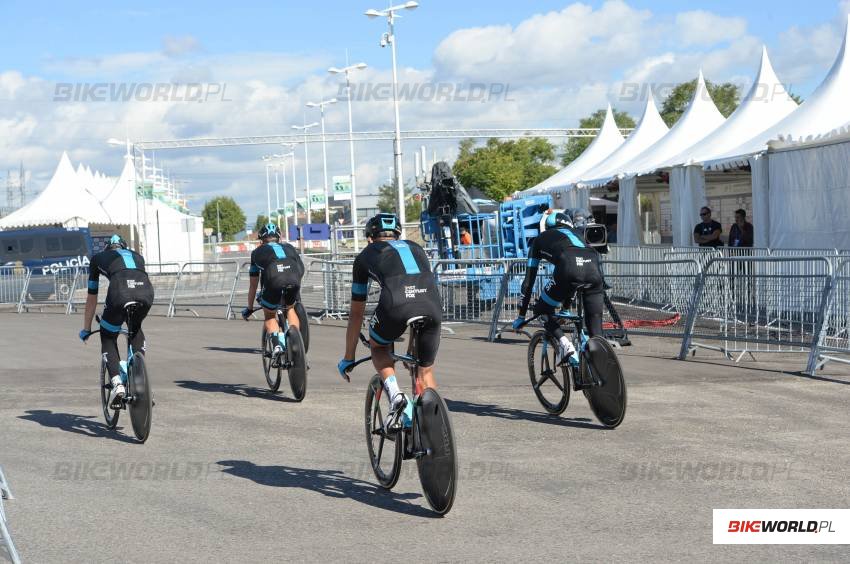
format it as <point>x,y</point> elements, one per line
<point>741,232</point>
<point>707,232</point>
<point>465,236</point>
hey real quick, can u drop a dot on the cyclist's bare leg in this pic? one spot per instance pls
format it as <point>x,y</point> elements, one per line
<point>381,359</point>
<point>292,317</point>
<point>426,374</point>
<point>271,321</point>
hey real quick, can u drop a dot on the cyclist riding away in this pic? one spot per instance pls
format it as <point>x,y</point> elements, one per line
<point>408,289</point>
<point>128,282</point>
<point>278,266</point>
<point>576,266</point>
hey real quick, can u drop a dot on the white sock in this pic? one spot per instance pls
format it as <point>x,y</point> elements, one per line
<point>567,347</point>
<point>391,386</point>
<point>116,380</point>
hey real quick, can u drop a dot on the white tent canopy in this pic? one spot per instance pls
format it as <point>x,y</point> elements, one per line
<point>649,130</point>
<point>821,113</point>
<point>606,142</point>
<point>64,201</point>
<point>766,103</point>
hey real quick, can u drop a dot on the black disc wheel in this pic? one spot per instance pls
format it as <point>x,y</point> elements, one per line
<point>436,454</point>
<point>296,352</point>
<point>304,322</point>
<point>608,400</point>
<point>551,383</point>
<point>109,414</point>
<point>384,448</point>
<point>272,374</point>
<point>141,398</point>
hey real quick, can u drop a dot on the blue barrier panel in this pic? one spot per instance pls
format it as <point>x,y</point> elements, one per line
<point>316,232</point>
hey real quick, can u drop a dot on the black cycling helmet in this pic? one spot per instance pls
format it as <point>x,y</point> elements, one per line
<point>381,224</point>
<point>558,219</point>
<point>269,230</point>
<point>116,241</point>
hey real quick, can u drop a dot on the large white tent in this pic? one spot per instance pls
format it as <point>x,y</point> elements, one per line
<point>561,184</point>
<point>700,119</point>
<point>766,103</point>
<point>63,201</point>
<point>649,130</point>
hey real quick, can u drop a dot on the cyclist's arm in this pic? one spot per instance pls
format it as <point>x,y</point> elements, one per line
<point>528,283</point>
<point>253,282</point>
<point>88,316</point>
<point>91,298</point>
<point>355,322</point>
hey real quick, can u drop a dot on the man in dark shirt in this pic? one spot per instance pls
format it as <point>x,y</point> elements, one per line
<point>707,233</point>
<point>128,282</point>
<point>741,232</point>
<point>279,268</point>
<point>408,289</point>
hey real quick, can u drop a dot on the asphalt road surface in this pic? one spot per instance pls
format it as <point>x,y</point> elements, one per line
<point>232,473</point>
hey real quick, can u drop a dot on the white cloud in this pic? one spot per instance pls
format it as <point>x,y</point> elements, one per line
<point>700,27</point>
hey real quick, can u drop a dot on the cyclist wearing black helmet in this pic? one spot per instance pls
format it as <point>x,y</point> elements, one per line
<point>576,266</point>
<point>408,289</point>
<point>128,282</point>
<point>279,267</point>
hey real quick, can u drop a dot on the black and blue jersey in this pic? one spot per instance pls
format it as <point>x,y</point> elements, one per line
<point>110,262</point>
<point>280,270</point>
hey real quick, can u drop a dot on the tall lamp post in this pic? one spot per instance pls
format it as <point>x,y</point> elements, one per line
<point>305,128</point>
<point>389,38</point>
<point>347,70</point>
<point>321,105</point>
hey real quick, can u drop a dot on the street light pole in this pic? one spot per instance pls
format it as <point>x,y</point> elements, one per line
<point>305,128</point>
<point>321,105</point>
<point>347,70</point>
<point>389,37</point>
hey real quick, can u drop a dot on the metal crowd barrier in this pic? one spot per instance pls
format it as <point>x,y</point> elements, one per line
<point>5,535</point>
<point>13,283</point>
<point>204,284</point>
<point>834,338</point>
<point>470,288</point>
<point>759,304</point>
<point>54,288</point>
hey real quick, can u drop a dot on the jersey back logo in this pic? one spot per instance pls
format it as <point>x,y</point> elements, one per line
<point>133,284</point>
<point>410,292</point>
<point>282,267</point>
<point>580,262</point>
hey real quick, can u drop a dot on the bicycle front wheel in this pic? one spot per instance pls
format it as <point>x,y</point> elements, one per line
<point>272,374</point>
<point>551,383</point>
<point>434,440</point>
<point>384,448</point>
<point>608,400</point>
<point>141,404</point>
<point>297,363</point>
<point>109,414</point>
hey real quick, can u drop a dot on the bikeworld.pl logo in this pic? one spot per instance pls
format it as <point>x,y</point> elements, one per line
<point>140,92</point>
<point>781,526</point>
<point>410,292</point>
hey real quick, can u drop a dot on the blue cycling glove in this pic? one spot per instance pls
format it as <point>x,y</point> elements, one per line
<point>344,366</point>
<point>84,335</point>
<point>518,322</point>
<point>246,313</point>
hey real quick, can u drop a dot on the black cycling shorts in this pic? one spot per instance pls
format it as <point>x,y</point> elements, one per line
<point>124,287</point>
<point>388,324</point>
<point>579,268</point>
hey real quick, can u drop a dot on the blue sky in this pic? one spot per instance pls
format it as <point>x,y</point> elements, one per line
<point>561,60</point>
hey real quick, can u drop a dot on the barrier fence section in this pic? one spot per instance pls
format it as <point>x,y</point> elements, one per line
<point>834,338</point>
<point>13,283</point>
<point>470,288</point>
<point>163,278</point>
<point>5,535</point>
<point>204,284</point>
<point>759,304</point>
<point>54,288</point>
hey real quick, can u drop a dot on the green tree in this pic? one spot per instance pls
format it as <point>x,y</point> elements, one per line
<point>262,220</point>
<point>388,201</point>
<point>575,146</point>
<point>500,168</point>
<point>230,215</point>
<point>726,97</point>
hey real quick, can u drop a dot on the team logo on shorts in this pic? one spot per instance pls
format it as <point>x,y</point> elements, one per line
<point>410,292</point>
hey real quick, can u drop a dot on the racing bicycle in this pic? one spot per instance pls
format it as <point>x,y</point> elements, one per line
<point>427,438</point>
<point>139,399</point>
<point>598,374</point>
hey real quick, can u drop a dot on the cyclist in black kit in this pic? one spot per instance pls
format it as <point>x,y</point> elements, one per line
<point>128,282</point>
<point>576,266</point>
<point>408,289</point>
<point>280,269</point>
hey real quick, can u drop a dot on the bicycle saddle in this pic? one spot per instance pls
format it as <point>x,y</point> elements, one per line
<point>418,321</point>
